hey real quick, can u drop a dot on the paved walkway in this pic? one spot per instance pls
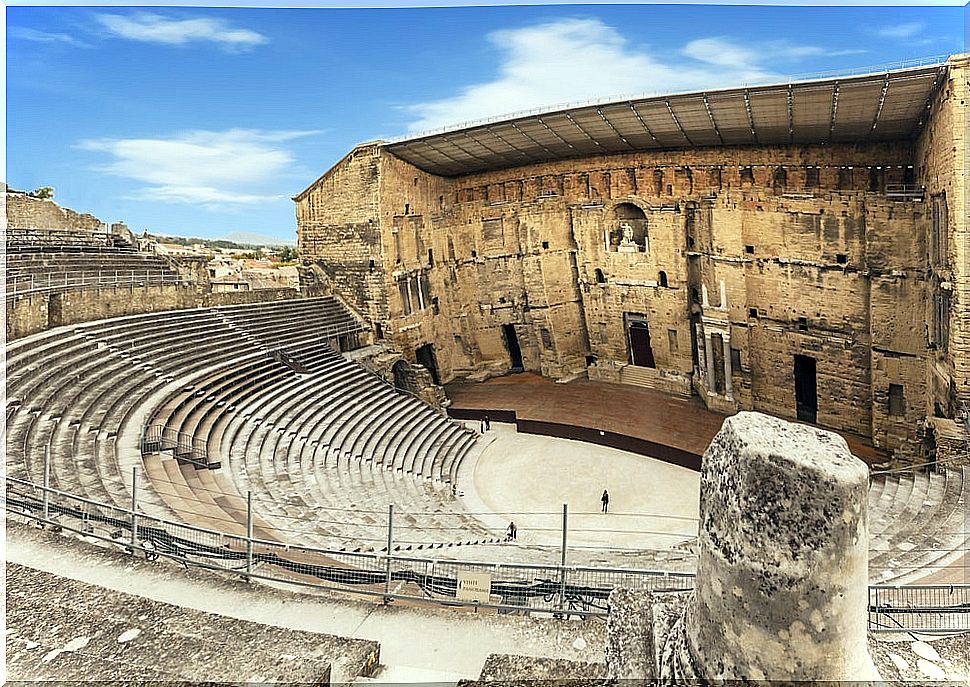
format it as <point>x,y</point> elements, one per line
<point>417,644</point>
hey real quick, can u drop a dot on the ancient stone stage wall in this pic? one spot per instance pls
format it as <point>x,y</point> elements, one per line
<point>711,269</point>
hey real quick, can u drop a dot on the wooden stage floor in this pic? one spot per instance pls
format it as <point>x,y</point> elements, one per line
<point>633,411</point>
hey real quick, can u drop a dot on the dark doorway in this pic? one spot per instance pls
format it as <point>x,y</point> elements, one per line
<point>402,375</point>
<point>638,333</point>
<point>717,352</point>
<point>426,357</point>
<point>512,344</point>
<point>806,394</point>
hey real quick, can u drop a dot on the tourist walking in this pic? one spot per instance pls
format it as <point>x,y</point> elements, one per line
<point>605,498</point>
<point>488,424</point>
<point>512,532</point>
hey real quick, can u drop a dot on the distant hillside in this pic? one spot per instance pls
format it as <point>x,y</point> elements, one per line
<point>235,240</point>
<point>251,239</point>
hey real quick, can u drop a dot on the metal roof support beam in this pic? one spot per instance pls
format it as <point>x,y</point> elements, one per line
<point>466,152</point>
<point>582,130</point>
<point>882,101</point>
<point>613,128</point>
<point>643,124</point>
<point>522,133</point>
<point>431,145</point>
<point>747,109</point>
<point>941,73</point>
<point>835,110</point>
<point>496,153</point>
<point>717,131</point>
<point>677,121</point>
<point>791,114</point>
<point>553,132</point>
<point>511,145</point>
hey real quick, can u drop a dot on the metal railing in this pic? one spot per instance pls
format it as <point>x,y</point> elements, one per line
<point>905,191</point>
<point>18,285</point>
<point>510,587</point>
<point>924,608</point>
<point>185,447</point>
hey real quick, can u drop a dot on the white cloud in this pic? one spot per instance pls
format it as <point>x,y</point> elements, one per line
<point>908,30</point>
<point>212,168</point>
<point>576,59</point>
<point>29,34</point>
<point>155,28</point>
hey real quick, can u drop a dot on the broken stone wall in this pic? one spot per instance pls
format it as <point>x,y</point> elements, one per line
<point>27,212</point>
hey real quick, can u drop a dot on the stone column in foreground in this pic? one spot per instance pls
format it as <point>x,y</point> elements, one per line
<point>782,574</point>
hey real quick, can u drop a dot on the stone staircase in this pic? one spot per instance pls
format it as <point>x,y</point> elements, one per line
<point>651,378</point>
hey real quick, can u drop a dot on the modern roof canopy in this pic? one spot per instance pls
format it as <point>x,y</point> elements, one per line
<point>866,108</point>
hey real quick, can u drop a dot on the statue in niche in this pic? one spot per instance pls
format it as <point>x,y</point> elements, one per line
<point>627,244</point>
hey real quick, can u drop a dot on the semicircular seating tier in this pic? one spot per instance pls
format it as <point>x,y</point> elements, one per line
<point>256,392</point>
<point>79,260</point>
<point>214,403</point>
<point>918,526</point>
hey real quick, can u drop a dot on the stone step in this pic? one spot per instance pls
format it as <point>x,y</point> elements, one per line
<point>649,378</point>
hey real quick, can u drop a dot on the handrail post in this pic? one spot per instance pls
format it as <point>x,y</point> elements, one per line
<point>249,533</point>
<point>390,540</point>
<point>134,508</point>
<point>562,560</point>
<point>47,483</point>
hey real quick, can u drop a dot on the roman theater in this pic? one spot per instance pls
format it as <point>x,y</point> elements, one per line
<point>742,313</point>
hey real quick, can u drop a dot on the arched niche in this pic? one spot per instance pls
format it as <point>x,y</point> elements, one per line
<point>627,228</point>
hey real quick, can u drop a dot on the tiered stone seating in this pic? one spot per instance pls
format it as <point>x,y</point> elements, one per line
<point>41,269</point>
<point>917,523</point>
<point>336,439</point>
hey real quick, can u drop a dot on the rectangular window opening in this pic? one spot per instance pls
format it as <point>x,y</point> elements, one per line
<point>897,400</point>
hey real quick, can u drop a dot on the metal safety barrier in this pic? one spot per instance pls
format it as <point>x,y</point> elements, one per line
<point>926,608</point>
<point>560,590</point>
<point>18,285</point>
<point>185,447</point>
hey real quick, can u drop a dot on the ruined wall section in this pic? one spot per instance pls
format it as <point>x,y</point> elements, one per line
<point>942,169</point>
<point>26,212</point>
<point>338,233</point>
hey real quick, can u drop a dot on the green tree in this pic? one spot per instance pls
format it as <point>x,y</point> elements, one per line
<point>43,192</point>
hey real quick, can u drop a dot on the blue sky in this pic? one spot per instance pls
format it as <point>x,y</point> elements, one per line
<point>205,121</point>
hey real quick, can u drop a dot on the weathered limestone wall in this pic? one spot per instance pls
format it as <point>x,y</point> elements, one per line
<point>943,165</point>
<point>34,313</point>
<point>27,212</point>
<point>338,231</point>
<point>781,591</point>
<point>729,262</point>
